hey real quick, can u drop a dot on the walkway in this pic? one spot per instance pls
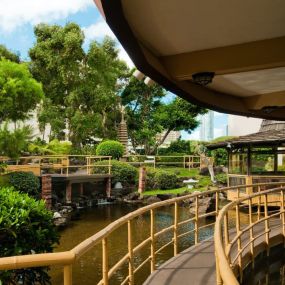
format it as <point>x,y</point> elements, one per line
<point>197,265</point>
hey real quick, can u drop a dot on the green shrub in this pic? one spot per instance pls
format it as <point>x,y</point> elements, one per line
<point>159,179</point>
<point>221,178</point>
<point>26,228</point>
<point>220,156</point>
<point>121,171</point>
<point>25,182</point>
<point>110,148</point>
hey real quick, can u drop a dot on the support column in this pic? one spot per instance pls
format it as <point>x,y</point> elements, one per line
<point>68,192</point>
<point>142,179</point>
<point>81,189</point>
<point>108,187</point>
<point>47,191</point>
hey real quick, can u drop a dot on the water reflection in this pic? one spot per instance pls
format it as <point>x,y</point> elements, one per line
<point>88,270</point>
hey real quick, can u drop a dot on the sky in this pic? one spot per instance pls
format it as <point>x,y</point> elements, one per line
<point>18,17</point>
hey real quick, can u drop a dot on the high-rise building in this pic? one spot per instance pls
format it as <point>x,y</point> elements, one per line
<point>207,126</point>
<point>241,126</point>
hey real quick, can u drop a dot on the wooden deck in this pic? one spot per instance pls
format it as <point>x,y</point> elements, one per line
<point>197,265</point>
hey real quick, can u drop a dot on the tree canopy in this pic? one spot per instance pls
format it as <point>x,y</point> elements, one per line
<point>19,92</point>
<point>148,114</point>
<point>81,87</point>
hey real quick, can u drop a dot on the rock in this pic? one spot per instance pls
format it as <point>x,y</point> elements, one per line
<point>56,215</point>
<point>163,197</point>
<point>152,199</point>
<point>204,205</point>
<point>132,196</point>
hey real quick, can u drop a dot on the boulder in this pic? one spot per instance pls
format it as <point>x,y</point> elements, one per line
<point>152,199</point>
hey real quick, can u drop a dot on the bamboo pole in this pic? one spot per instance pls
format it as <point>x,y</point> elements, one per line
<point>175,228</point>
<point>251,236</point>
<point>105,263</point>
<point>282,215</point>
<point>259,204</point>
<point>217,203</point>
<point>152,236</point>
<point>131,253</point>
<point>266,224</point>
<point>67,275</point>
<point>239,240</point>
<point>196,219</point>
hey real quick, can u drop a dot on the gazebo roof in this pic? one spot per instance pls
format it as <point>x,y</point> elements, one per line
<point>269,137</point>
<point>240,43</point>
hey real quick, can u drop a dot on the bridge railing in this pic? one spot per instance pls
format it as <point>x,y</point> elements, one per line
<point>185,161</point>
<point>237,244</point>
<point>149,244</point>
<point>60,164</point>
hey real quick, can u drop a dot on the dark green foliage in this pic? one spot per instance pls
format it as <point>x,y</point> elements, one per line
<point>121,171</point>
<point>5,53</point>
<point>179,146</point>
<point>110,148</point>
<point>81,86</point>
<point>26,227</point>
<point>25,182</point>
<point>159,179</point>
<point>222,178</point>
<point>220,156</point>
<point>13,143</point>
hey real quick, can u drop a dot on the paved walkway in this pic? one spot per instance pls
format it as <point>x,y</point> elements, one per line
<point>197,265</point>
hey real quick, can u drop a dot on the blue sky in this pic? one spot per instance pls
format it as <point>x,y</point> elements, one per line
<point>18,17</point>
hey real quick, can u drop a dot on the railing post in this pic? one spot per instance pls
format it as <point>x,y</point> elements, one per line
<point>109,166</point>
<point>217,203</point>
<point>175,228</point>
<point>131,254</point>
<point>67,275</point>
<point>259,204</point>
<point>266,223</point>
<point>196,219</point>
<point>282,214</point>
<point>152,236</point>
<point>226,231</point>
<point>239,240</point>
<point>105,263</point>
<point>218,272</point>
<point>251,233</point>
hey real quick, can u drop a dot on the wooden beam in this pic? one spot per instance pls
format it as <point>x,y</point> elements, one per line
<point>225,60</point>
<point>257,102</point>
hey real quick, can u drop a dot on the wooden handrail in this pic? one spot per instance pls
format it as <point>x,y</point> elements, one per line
<point>224,246</point>
<point>67,259</point>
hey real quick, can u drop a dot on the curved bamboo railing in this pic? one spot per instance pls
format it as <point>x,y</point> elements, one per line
<point>236,247</point>
<point>68,258</point>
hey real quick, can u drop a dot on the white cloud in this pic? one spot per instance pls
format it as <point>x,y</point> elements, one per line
<point>14,13</point>
<point>98,31</point>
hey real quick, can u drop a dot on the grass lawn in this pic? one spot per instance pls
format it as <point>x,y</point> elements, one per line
<point>204,181</point>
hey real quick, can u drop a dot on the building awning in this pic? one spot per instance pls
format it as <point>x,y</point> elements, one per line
<point>237,47</point>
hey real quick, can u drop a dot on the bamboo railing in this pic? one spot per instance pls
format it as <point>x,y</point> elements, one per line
<point>237,246</point>
<point>60,164</point>
<point>68,258</point>
<point>185,161</point>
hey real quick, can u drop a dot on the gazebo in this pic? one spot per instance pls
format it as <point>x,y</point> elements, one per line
<point>258,157</point>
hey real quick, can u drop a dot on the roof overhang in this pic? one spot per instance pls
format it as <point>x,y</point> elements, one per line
<point>242,42</point>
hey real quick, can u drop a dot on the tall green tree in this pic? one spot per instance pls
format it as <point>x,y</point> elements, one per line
<point>149,115</point>
<point>142,103</point>
<point>19,91</point>
<point>7,54</point>
<point>81,87</point>
<point>177,116</point>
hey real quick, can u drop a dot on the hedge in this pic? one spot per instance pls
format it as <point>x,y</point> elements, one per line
<point>26,228</point>
<point>110,148</point>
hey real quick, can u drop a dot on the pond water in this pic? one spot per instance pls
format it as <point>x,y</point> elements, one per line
<point>268,270</point>
<point>87,270</point>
